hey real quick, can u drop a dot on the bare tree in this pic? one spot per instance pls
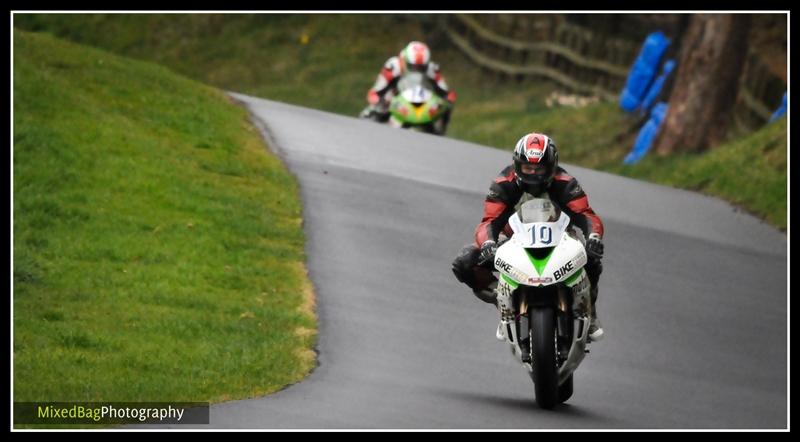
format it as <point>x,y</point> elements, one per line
<point>701,104</point>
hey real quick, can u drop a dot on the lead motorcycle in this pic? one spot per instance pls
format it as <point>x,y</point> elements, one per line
<point>543,297</point>
<point>414,107</point>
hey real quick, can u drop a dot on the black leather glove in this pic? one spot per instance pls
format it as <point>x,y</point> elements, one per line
<point>594,247</point>
<point>488,249</point>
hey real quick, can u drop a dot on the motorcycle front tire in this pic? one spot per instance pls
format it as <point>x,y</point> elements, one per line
<point>543,353</point>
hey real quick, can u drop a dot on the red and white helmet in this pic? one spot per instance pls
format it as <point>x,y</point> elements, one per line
<point>416,56</point>
<point>538,153</point>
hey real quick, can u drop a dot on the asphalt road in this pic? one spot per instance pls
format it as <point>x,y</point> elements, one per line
<point>693,297</point>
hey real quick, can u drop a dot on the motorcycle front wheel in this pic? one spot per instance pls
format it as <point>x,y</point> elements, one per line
<point>542,331</point>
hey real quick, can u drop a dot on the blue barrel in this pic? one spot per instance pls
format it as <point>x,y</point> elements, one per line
<point>643,71</point>
<point>657,85</point>
<point>648,134</point>
<point>781,110</point>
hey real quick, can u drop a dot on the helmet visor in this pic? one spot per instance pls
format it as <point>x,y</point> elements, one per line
<point>533,169</point>
<point>417,67</point>
<point>533,173</point>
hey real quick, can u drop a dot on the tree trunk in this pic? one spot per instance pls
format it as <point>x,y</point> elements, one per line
<point>701,104</point>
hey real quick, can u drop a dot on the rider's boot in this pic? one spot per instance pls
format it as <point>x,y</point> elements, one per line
<point>595,327</point>
<point>483,286</point>
<point>487,295</point>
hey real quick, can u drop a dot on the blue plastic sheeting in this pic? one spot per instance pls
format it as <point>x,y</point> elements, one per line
<point>655,89</point>
<point>643,71</point>
<point>647,135</point>
<point>781,110</point>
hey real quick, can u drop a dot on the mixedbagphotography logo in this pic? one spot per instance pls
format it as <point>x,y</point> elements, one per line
<point>102,413</point>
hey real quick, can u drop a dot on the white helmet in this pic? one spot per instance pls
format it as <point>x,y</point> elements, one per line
<point>416,56</point>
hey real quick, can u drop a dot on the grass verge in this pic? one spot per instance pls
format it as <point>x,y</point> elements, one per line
<point>158,248</point>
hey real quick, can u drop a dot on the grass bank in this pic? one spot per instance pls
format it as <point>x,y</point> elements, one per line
<point>750,172</point>
<point>158,249</point>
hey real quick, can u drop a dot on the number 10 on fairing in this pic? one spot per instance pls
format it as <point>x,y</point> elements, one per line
<point>545,234</point>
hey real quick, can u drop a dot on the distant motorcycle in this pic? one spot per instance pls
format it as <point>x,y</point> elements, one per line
<point>415,106</point>
<point>543,298</point>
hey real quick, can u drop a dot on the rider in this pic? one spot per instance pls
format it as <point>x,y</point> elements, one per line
<point>415,57</point>
<point>535,171</point>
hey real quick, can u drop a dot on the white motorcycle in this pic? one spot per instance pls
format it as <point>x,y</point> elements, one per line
<point>543,297</point>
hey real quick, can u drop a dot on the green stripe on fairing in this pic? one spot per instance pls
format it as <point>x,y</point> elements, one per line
<point>574,278</point>
<point>510,281</point>
<point>539,264</point>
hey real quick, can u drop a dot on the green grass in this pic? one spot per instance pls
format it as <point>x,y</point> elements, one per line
<point>158,249</point>
<point>749,172</point>
<point>264,55</point>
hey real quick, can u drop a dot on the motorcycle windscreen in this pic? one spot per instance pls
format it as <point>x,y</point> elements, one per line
<point>539,210</point>
<point>538,223</point>
<point>417,95</point>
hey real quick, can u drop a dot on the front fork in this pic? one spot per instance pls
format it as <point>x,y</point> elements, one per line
<point>570,352</point>
<point>508,329</point>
